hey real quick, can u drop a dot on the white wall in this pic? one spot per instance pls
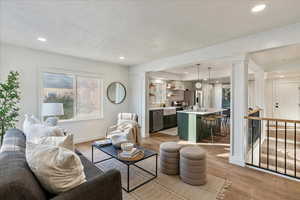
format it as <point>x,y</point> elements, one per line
<point>217,96</point>
<point>286,92</point>
<point>28,62</point>
<point>251,94</point>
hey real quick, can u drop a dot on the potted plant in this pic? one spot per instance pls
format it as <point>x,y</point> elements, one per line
<point>9,102</point>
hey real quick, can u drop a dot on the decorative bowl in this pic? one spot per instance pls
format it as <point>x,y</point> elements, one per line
<point>127,146</point>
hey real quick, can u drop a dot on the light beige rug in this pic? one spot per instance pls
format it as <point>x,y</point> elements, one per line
<point>164,187</point>
<point>171,131</point>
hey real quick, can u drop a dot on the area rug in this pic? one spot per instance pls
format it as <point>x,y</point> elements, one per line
<point>164,187</point>
<point>171,131</point>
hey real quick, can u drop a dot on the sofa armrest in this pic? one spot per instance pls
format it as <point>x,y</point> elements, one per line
<point>105,186</point>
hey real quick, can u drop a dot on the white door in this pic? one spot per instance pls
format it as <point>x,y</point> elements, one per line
<point>286,100</point>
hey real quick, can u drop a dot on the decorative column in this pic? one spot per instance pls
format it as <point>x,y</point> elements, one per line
<point>239,109</point>
<point>138,98</point>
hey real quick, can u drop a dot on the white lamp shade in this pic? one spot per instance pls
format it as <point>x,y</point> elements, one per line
<point>52,109</point>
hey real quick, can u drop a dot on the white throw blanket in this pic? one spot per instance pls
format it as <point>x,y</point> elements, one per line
<point>130,128</point>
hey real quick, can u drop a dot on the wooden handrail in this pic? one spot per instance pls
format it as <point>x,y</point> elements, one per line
<point>272,119</point>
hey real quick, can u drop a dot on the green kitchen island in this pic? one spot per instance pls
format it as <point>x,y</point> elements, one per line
<point>192,126</point>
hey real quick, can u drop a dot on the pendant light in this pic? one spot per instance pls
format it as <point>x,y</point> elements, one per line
<point>209,71</point>
<point>198,84</point>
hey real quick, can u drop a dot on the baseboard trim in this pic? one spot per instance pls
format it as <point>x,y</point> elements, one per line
<point>274,173</point>
<point>89,139</point>
<point>238,162</point>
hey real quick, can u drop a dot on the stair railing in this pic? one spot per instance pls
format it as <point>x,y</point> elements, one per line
<point>284,136</point>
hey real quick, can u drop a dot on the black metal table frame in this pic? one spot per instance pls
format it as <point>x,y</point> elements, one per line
<point>128,190</point>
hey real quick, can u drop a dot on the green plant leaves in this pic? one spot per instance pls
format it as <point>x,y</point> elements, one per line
<point>9,102</point>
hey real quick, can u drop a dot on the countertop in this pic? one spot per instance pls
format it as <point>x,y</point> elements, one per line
<point>205,111</point>
<point>164,108</point>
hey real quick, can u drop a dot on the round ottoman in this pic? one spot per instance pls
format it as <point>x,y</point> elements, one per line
<point>169,158</point>
<point>193,165</point>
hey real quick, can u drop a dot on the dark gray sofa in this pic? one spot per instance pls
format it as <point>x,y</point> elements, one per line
<point>18,182</point>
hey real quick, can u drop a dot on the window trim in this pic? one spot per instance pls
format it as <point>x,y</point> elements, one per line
<point>75,74</point>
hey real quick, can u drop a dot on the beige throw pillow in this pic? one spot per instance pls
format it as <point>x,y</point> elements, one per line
<point>58,169</point>
<point>60,141</point>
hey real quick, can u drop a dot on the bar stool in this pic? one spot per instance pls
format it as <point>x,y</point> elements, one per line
<point>211,120</point>
<point>226,113</point>
<point>222,119</point>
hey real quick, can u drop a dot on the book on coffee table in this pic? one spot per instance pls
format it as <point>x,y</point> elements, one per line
<point>104,142</point>
<point>130,154</point>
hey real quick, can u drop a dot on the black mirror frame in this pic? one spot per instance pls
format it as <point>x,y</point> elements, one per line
<point>124,91</point>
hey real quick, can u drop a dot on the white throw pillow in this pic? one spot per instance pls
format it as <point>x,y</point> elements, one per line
<point>60,141</point>
<point>58,169</point>
<point>33,129</point>
<point>28,122</point>
<point>39,130</point>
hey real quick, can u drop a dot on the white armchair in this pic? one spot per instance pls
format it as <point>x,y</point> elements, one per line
<point>127,129</point>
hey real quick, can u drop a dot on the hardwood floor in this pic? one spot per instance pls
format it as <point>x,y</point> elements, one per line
<point>247,183</point>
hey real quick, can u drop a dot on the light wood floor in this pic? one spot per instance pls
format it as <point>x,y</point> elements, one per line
<point>246,183</point>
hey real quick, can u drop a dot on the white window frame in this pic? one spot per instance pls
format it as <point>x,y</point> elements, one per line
<point>74,74</point>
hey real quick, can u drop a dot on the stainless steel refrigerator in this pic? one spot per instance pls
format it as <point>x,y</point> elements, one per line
<point>189,97</point>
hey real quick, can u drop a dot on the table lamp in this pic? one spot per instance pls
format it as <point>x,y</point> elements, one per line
<point>52,110</point>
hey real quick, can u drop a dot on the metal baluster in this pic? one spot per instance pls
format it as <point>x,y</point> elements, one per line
<point>268,135</point>
<point>259,156</point>
<point>295,160</point>
<point>276,143</point>
<point>285,127</point>
<point>252,133</point>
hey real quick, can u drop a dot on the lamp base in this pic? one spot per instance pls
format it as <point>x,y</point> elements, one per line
<point>51,121</point>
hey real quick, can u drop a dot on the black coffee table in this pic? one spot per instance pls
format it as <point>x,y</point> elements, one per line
<point>113,153</point>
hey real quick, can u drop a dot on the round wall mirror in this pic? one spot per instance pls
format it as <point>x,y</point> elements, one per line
<point>116,92</point>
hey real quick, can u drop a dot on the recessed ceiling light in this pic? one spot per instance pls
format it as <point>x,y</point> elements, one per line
<point>122,57</point>
<point>217,81</point>
<point>185,72</point>
<point>258,8</point>
<point>205,79</point>
<point>281,76</point>
<point>42,39</point>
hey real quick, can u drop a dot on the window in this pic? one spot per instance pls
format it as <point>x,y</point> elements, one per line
<point>88,97</point>
<point>81,96</point>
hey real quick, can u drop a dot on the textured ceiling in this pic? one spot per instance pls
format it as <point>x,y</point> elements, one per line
<point>140,30</point>
<point>219,69</point>
<point>273,58</point>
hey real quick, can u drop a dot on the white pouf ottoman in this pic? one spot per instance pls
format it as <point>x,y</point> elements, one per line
<point>193,165</point>
<point>169,158</point>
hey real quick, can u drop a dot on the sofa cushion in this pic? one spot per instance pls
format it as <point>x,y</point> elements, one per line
<point>14,140</point>
<point>90,169</point>
<point>17,181</point>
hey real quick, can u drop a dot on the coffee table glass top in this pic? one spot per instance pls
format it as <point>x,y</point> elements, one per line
<point>113,152</point>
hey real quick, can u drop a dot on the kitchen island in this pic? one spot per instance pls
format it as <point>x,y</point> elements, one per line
<point>192,125</point>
